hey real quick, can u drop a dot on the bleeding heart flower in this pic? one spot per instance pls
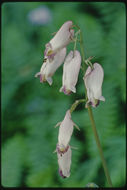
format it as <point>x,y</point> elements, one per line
<point>61,39</point>
<point>93,80</point>
<point>65,133</point>
<point>70,72</point>
<point>50,66</point>
<point>64,163</point>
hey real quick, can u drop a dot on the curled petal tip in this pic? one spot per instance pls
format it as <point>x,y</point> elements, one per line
<point>37,74</point>
<point>73,89</point>
<point>65,91</point>
<point>102,98</point>
<point>49,80</point>
<point>61,89</point>
<point>55,151</point>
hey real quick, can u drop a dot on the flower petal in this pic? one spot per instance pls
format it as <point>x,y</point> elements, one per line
<point>61,39</point>
<point>102,98</point>
<point>64,163</point>
<point>49,67</point>
<point>70,71</point>
<point>65,130</point>
<point>93,81</point>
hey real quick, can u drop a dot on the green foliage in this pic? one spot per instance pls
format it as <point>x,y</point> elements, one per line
<point>13,157</point>
<point>30,110</point>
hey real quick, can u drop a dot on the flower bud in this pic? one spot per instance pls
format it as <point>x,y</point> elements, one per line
<point>64,163</point>
<point>60,40</point>
<point>70,72</point>
<point>93,81</point>
<point>50,66</point>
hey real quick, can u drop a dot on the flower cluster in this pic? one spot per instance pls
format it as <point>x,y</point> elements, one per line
<point>54,55</point>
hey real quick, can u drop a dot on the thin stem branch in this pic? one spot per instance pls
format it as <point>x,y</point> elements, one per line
<point>75,104</point>
<point>81,46</point>
<point>82,50</point>
<point>75,46</point>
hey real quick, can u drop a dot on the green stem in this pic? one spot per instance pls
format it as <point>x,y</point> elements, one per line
<point>92,118</point>
<point>75,104</point>
<point>81,46</point>
<point>75,46</point>
<point>82,50</point>
<point>99,146</point>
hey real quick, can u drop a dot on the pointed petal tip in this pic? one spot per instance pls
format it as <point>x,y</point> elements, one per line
<point>73,89</point>
<point>76,126</point>
<point>49,80</point>
<point>61,89</point>
<point>58,124</point>
<point>102,98</point>
<point>54,151</point>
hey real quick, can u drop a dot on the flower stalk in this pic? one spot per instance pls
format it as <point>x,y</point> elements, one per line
<point>92,117</point>
<point>75,104</point>
<point>99,146</point>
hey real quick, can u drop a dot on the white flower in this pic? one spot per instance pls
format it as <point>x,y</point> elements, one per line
<point>64,163</point>
<point>61,39</point>
<point>65,133</point>
<point>93,81</point>
<point>50,66</point>
<point>71,70</point>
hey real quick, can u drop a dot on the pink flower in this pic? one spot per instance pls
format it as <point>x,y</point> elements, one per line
<point>60,40</point>
<point>93,80</point>
<point>70,72</point>
<point>50,66</point>
<point>65,133</point>
<point>64,163</point>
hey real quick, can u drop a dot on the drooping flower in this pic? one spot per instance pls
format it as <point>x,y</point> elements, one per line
<point>61,39</point>
<point>70,72</point>
<point>93,80</point>
<point>65,133</point>
<point>50,66</point>
<point>64,163</point>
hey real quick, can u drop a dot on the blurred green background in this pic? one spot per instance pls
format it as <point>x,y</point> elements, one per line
<point>30,110</point>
